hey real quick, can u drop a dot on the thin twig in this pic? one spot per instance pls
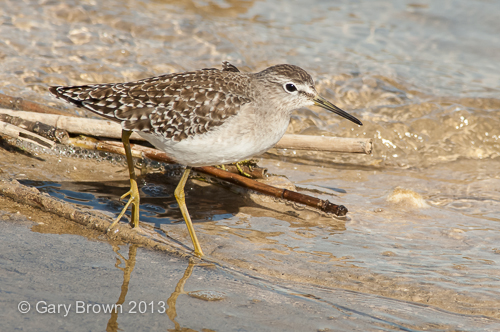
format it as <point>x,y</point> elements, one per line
<point>37,127</point>
<point>138,150</point>
<point>23,134</point>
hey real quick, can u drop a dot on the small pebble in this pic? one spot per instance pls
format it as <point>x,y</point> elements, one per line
<point>208,295</point>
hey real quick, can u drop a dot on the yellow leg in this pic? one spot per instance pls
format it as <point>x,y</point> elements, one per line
<point>134,190</point>
<point>180,197</point>
<point>242,172</point>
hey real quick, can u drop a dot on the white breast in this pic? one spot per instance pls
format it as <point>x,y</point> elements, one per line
<point>241,137</point>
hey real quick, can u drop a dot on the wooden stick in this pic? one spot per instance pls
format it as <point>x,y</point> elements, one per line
<point>322,143</point>
<point>117,147</point>
<point>75,125</point>
<point>37,127</point>
<point>23,134</point>
<point>111,129</point>
<point>322,205</point>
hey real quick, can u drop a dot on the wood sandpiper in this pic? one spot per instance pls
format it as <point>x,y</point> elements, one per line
<point>201,118</point>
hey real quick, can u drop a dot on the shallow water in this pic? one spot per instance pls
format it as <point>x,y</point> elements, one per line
<point>160,292</point>
<point>422,77</point>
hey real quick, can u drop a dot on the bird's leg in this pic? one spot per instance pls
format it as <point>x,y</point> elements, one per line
<point>180,197</point>
<point>134,190</point>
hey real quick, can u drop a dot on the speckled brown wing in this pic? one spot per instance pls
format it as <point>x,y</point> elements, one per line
<point>176,106</point>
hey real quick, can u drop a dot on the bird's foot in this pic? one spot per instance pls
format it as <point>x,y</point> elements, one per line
<point>134,200</point>
<point>250,163</point>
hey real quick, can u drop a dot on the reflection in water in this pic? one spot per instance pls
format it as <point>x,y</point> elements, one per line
<point>179,289</point>
<point>127,272</point>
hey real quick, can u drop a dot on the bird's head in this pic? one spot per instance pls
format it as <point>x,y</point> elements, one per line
<point>293,88</point>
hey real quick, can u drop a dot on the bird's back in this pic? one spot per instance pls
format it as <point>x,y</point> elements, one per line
<point>174,106</point>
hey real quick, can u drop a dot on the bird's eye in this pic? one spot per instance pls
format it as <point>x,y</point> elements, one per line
<point>290,87</point>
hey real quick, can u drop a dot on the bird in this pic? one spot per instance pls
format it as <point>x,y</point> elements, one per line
<point>203,117</point>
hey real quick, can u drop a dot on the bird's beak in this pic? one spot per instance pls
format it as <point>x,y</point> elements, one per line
<point>322,102</point>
